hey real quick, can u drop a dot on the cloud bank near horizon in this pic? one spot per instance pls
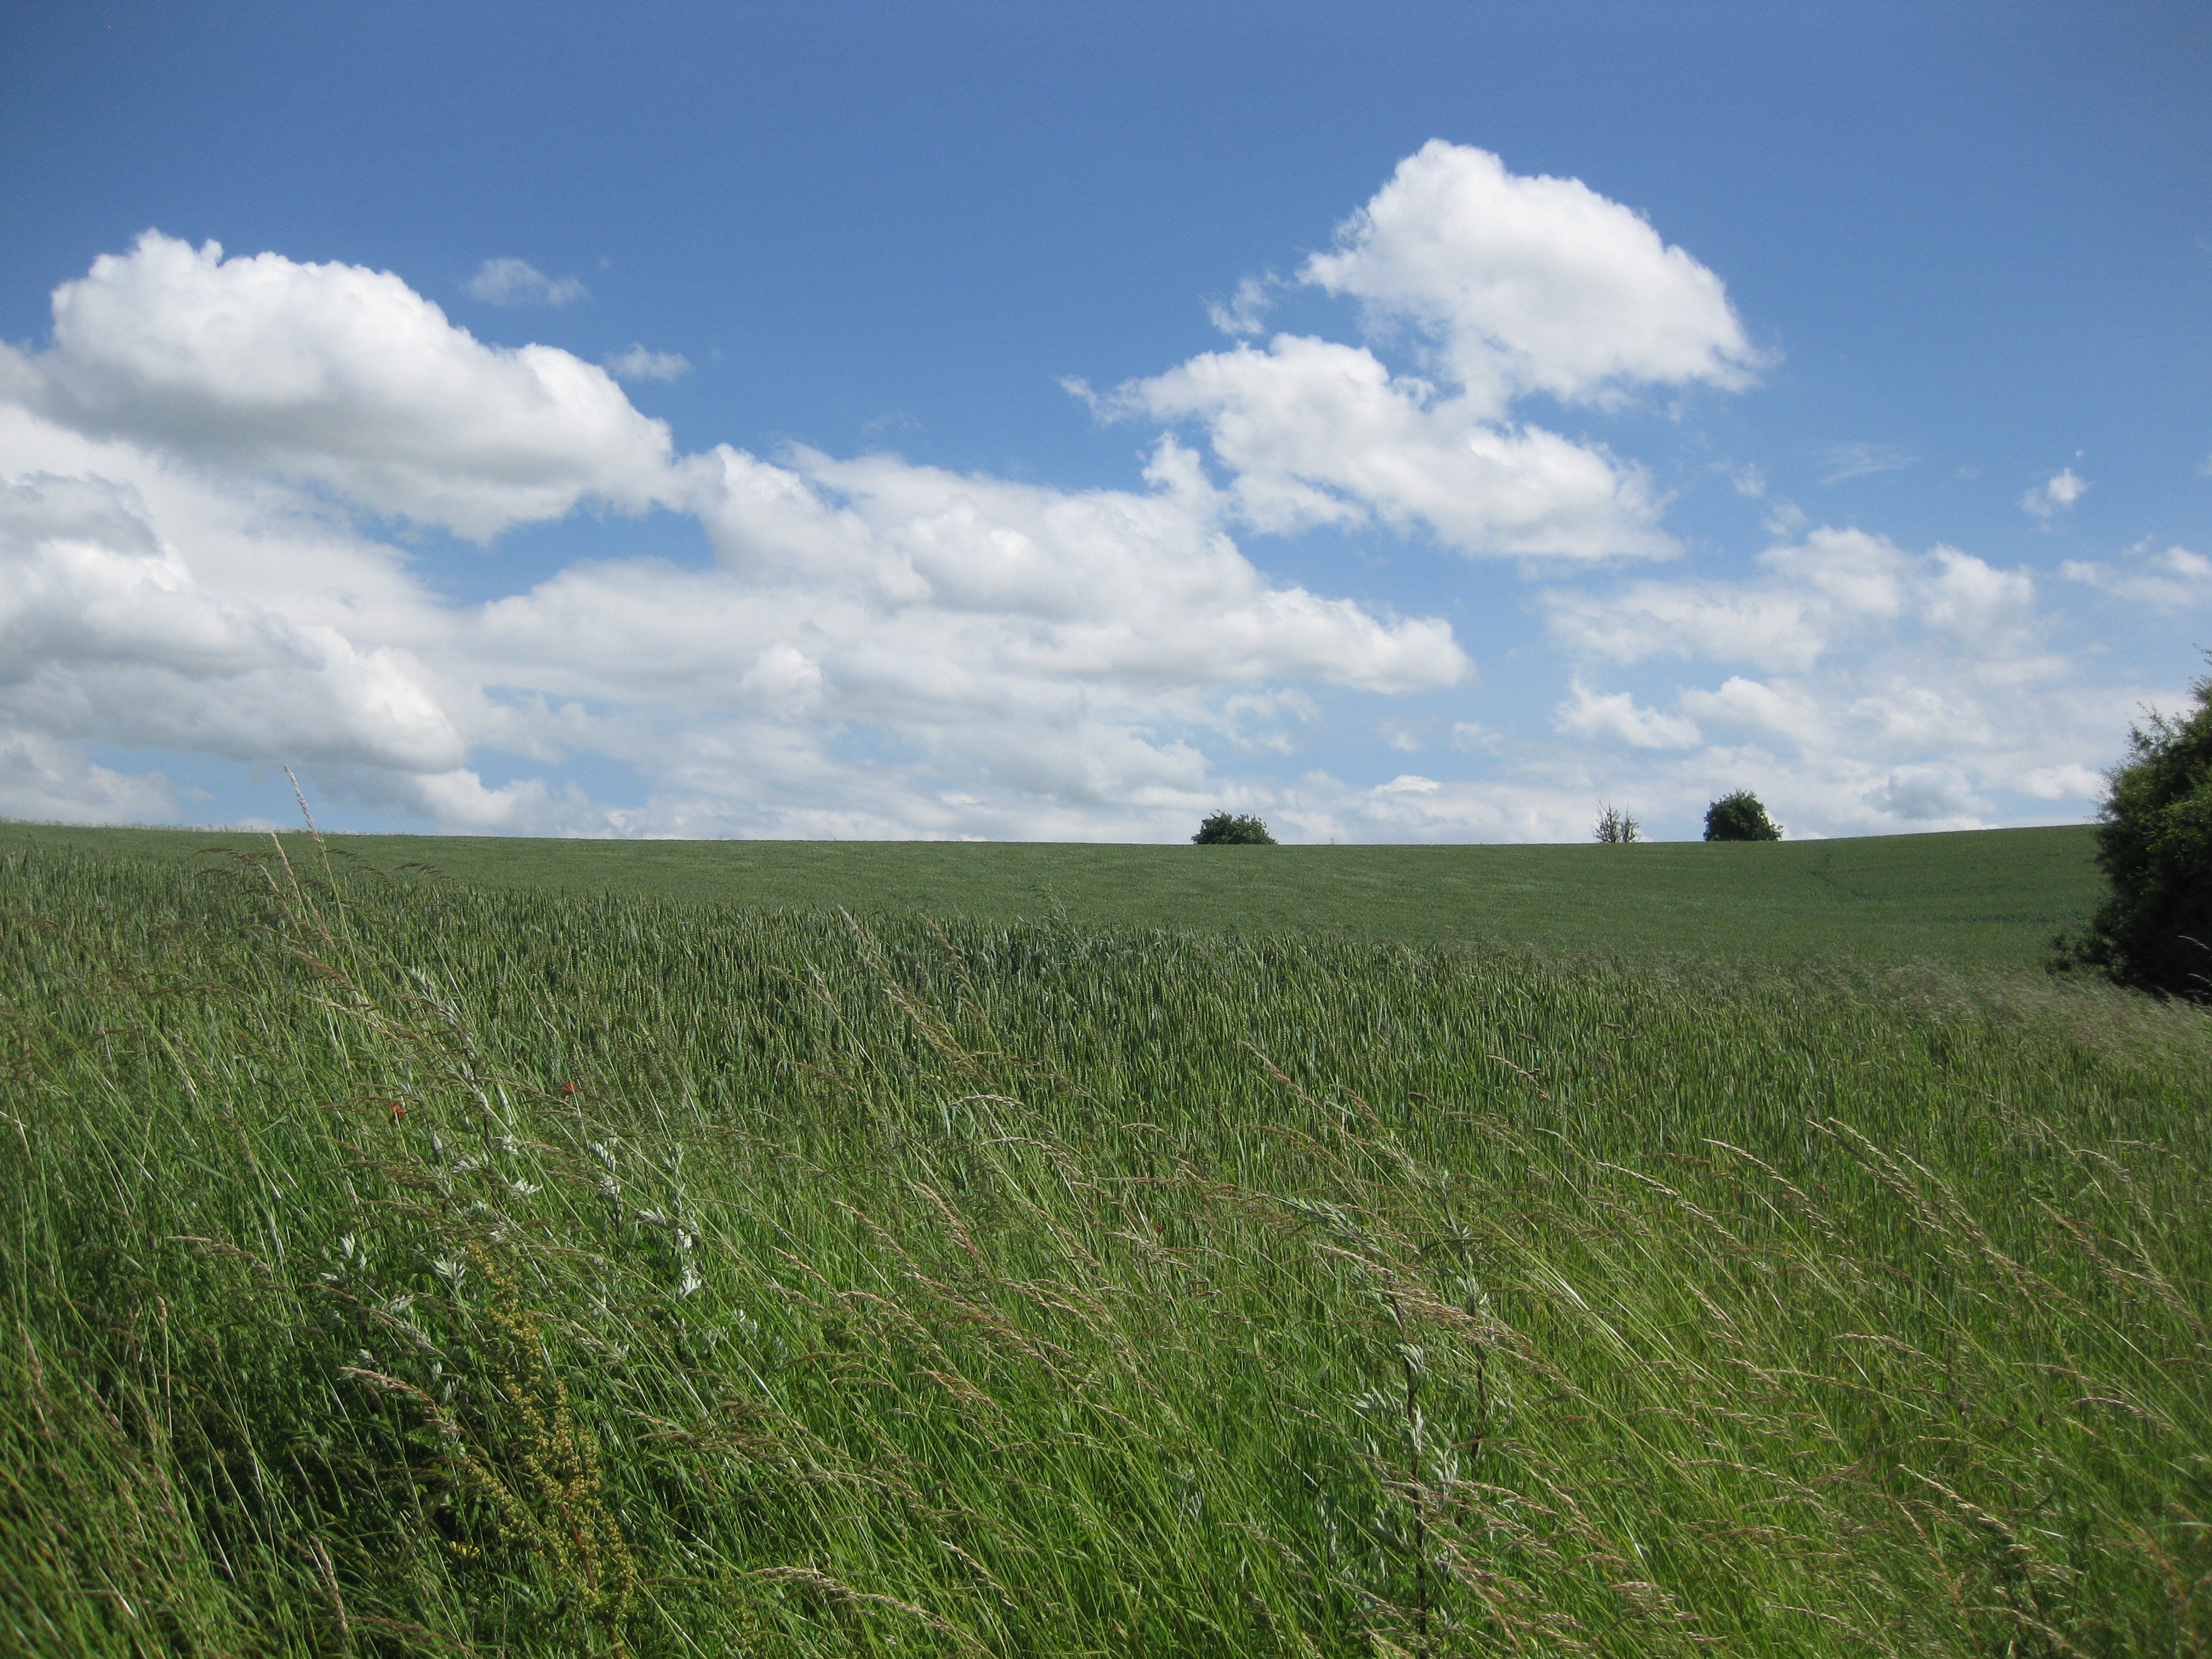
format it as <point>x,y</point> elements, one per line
<point>200,471</point>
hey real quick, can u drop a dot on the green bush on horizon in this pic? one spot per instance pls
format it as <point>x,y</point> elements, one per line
<point>1226,829</point>
<point>1739,815</point>
<point>2154,930</point>
<point>396,1270</point>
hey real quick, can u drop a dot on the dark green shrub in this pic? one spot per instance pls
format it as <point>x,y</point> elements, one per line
<point>1232,829</point>
<point>2154,931</point>
<point>1740,816</point>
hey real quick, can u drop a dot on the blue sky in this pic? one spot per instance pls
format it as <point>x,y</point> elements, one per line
<point>1408,423</point>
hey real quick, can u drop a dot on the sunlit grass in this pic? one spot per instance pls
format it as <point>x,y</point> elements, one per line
<point>399,1269</point>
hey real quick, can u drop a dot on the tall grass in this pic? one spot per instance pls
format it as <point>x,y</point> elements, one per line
<point>394,1270</point>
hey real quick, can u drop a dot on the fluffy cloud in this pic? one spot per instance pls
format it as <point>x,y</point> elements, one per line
<point>339,376</point>
<point>1919,794</point>
<point>1504,286</point>
<point>1092,586</point>
<point>1316,433</point>
<point>876,647</point>
<point>1872,689</point>
<point>518,282</point>
<point>1531,284</point>
<point>2054,495</point>
<point>190,473</point>
<point>1052,659</point>
<point>1783,713</point>
<point>1830,589</point>
<point>48,781</point>
<point>2065,782</point>
<point>1617,718</point>
<point>109,635</point>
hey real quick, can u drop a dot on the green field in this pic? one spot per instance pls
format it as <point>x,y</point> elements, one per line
<point>434,1266</point>
<point>1991,898</point>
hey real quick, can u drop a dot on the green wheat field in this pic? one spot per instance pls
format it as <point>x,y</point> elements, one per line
<point>518,1248</point>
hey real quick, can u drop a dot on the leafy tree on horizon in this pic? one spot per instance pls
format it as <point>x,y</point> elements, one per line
<point>1739,815</point>
<point>2154,931</point>
<point>1233,830</point>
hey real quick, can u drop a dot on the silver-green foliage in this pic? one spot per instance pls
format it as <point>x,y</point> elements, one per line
<point>394,1269</point>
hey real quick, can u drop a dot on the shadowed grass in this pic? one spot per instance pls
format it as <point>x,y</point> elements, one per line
<point>393,1270</point>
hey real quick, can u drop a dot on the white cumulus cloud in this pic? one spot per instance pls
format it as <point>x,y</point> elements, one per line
<point>1618,718</point>
<point>109,634</point>
<point>199,470</point>
<point>1920,794</point>
<point>46,781</point>
<point>1504,286</point>
<point>1866,689</point>
<point>1531,283</point>
<point>875,647</point>
<point>2063,782</point>
<point>1316,433</point>
<point>341,376</point>
<point>1832,587</point>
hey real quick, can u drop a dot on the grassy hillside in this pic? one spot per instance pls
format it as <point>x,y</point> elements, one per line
<point>460,1270</point>
<point>1991,898</point>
